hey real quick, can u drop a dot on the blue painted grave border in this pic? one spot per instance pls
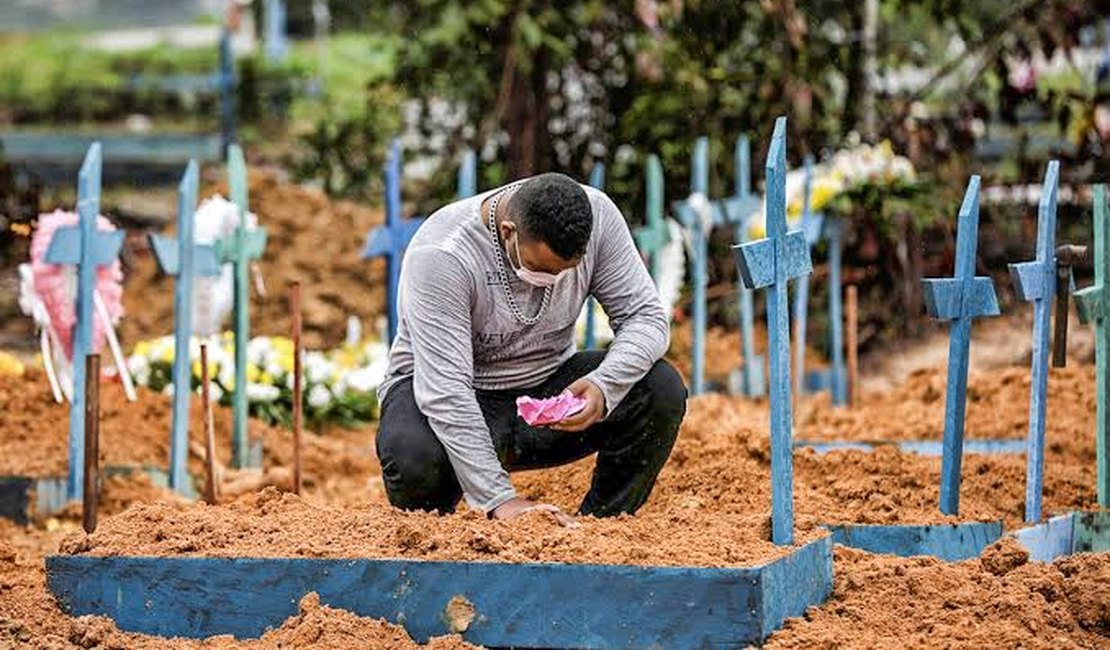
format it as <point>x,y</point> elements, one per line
<point>523,605</point>
<point>1067,534</point>
<point>948,542</point>
<point>920,447</point>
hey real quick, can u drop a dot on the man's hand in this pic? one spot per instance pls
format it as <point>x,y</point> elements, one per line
<point>591,414</point>
<point>517,506</point>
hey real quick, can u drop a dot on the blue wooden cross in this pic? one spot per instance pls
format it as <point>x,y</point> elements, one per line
<point>834,236</point>
<point>86,247</point>
<point>244,245</point>
<point>654,235</point>
<point>1094,308</point>
<point>597,181</point>
<point>390,239</point>
<point>275,24</point>
<point>182,258</point>
<point>226,76</point>
<point>1036,282</point>
<point>468,175</point>
<point>959,299</point>
<point>811,227</point>
<point>690,212</point>
<point>771,263</point>
<point>739,210</point>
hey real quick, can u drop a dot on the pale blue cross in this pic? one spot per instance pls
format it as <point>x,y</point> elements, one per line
<point>86,247</point>
<point>244,245</point>
<point>390,239</point>
<point>959,299</point>
<point>811,227</point>
<point>738,211</point>
<point>1036,282</point>
<point>597,181</point>
<point>1093,304</point>
<point>689,212</point>
<point>182,258</point>
<point>654,235</point>
<point>468,175</point>
<point>771,263</point>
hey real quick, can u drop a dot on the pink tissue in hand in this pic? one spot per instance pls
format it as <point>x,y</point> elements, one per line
<point>539,412</point>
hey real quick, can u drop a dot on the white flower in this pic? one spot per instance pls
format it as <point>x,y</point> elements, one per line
<point>168,390</point>
<point>367,378</point>
<point>318,369</point>
<point>139,367</point>
<point>259,350</point>
<point>319,396</point>
<point>214,392</point>
<point>263,393</point>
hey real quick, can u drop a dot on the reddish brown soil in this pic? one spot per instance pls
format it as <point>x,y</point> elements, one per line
<point>311,238</point>
<point>888,602</point>
<point>34,431</point>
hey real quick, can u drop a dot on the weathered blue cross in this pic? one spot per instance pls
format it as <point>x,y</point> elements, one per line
<point>597,181</point>
<point>771,263</point>
<point>738,211</point>
<point>654,235</point>
<point>811,227</point>
<point>390,239</point>
<point>244,245</point>
<point>182,258</point>
<point>1036,282</point>
<point>959,299</point>
<point>86,247</point>
<point>1094,308</point>
<point>468,175</point>
<point>691,212</point>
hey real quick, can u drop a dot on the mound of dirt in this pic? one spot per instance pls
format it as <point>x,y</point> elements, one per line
<point>311,238</point>
<point>275,524</point>
<point>889,602</point>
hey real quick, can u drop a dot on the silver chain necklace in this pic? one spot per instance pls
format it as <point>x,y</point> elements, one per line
<point>503,274</point>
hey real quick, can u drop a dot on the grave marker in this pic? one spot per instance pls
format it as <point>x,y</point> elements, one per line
<point>87,248</point>
<point>738,210</point>
<point>468,176</point>
<point>834,235</point>
<point>959,299</point>
<point>390,239</point>
<point>695,213</point>
<point>1094,308</point>
<point>811,227</point>
<point>183,259</point>
<point>597,181</point>
<point>654,235</point>
<point>771,263</point>
<point>244,245</point>
<point>1036,282</point>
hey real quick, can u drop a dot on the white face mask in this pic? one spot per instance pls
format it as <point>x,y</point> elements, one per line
<point>535,278</point>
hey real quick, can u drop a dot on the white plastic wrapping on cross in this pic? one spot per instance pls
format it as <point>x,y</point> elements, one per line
<point>672,268</point>
<point>214,297</point>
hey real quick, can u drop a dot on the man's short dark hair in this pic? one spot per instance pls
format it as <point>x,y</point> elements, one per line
<point>554,209</point>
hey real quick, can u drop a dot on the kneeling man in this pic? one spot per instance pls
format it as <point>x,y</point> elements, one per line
<point>491,287</point>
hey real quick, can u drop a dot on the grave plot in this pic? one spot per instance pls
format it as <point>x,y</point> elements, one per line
<point>569,591</point>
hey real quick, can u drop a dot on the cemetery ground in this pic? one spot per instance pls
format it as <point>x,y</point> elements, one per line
<point>710,507</point>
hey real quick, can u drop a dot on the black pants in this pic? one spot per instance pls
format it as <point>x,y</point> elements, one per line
<point>632,444</point>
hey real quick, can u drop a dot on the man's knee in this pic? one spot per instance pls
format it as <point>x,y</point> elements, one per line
<point>667,390</point>
<point>416,471</point>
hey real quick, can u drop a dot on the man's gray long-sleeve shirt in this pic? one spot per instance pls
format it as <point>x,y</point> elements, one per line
<point>457,333</point>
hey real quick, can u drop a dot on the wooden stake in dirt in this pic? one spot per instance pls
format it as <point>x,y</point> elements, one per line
<point>1036,282</point>
<point>184,259</point>
<point>390,239</point>
<point>959,299</point>
<point>771,263</point>
<point>1094,308</point>
<point>298,387</point>
<point>88,248</point>
<point>92,442</point>
<point>597,181</point>
<point>853,345</point>
<point>738,211</point>
<point>239,249</point>
<point>210,491</point>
